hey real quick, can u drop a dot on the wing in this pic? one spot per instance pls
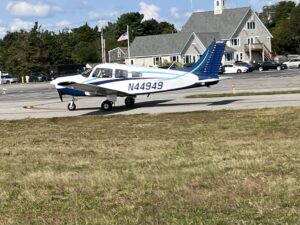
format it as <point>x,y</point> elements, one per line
<point>91,89</point>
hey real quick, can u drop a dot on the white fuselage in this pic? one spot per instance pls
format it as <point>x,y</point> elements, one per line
<point>132,80</point>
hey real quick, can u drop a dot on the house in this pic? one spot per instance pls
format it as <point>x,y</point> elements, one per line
<point>118,55</point>
<point>247,38</point>
<point>179,47</point>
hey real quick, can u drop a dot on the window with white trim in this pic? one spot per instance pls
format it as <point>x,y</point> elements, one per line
<point>239,56</point>
<point>229,56</point>
<point>235,42</point>
<point>174,58</point>
<point>251,25</point>
<point>251,40</point>
<point>156,61</point>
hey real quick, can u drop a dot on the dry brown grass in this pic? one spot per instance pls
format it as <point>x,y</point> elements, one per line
<point>226,167</point>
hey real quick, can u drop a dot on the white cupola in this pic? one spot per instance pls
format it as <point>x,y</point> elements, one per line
<point>219,6</point>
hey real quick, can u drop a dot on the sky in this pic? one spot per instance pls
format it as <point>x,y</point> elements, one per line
<point>56,15</point>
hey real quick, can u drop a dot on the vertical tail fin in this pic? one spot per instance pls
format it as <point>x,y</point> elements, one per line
<point>209,64</point>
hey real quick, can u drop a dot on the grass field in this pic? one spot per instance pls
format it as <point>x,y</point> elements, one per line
<point>225,167</point>
<point>243,94</point>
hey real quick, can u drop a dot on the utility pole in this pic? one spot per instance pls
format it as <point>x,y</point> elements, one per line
<point>103,53</point>
<point>128,43</point>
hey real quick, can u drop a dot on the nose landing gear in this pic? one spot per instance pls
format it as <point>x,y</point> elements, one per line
<point>72,105</point>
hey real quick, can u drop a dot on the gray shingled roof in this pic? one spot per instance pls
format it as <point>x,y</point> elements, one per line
<point>167,43</point>
<point>225,23</point>
<point>206,25</point>
<point>208,38</point>
<point>158,44</point>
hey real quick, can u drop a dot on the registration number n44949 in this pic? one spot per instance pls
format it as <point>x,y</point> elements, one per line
<point>145,86</point>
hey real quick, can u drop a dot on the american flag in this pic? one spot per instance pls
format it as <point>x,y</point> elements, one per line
<point>123,37</point>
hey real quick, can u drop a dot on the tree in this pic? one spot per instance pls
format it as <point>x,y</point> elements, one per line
<point>295,27</point>
<point>37,49</point>
<point>166,28</point>
<point>150,27</point>
<point>85,52</point>
<point>282,20</point>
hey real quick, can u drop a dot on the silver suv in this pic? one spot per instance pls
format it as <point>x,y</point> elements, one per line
<point>293,63</point>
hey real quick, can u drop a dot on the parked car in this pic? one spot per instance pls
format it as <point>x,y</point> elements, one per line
<point>231,68</point>
<point>221,70</point>
<point>293,63</point>
<point>38,77</point>
<point>9,79</point>
<point>250,66</point>
<point>270,65</point>
<point>66,70</point>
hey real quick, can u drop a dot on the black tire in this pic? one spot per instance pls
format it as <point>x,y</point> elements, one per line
<point>129,101</point>
<point>238,71</point>
<point>299,66</point>
<point>106,105</point>
<point>71,106</point>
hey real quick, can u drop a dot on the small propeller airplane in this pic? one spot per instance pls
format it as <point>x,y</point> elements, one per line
<point>117,80</point>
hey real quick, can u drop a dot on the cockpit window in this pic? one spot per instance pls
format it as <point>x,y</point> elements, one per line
<point>86,73</point>
<point>121,73</point>
<point>103,73</point>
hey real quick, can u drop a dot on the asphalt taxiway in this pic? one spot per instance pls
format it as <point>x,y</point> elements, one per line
<point>40,100</point>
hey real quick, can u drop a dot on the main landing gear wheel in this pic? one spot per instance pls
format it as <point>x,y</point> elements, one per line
<point>71,106</point>
<point>106,106</point>
<point>129,101</point>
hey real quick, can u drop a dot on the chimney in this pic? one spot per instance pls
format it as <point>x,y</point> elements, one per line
<point>219,6</point>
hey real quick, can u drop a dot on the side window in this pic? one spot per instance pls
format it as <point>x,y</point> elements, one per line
<point>96,72</point>
<point>136,74</point>
<point>103,73</point>
<point>121,73</point>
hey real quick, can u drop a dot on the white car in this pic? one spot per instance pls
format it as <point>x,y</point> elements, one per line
<point>293,63</point>
<point>8,79</point>
<point>231,68</point>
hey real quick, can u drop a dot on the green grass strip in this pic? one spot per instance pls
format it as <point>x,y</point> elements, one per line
<point>242,94</point>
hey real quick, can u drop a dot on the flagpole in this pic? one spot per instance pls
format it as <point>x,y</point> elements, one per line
<point>102,46</point>
<point>128,40</point>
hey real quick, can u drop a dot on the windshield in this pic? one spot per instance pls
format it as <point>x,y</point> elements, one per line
<point>87,73</point>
